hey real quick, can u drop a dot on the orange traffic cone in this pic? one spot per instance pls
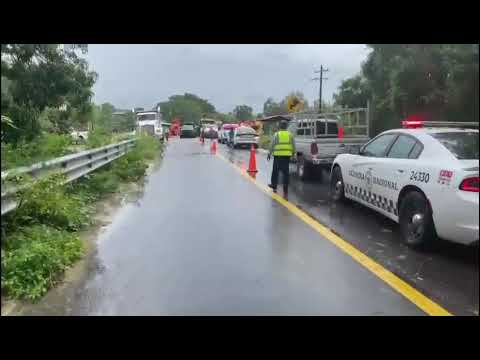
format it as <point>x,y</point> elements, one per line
<point>252,166</point>
<point>213,148</point>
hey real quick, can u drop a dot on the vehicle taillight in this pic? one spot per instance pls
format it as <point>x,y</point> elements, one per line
<point>471,184</point>
<point>314,149</point>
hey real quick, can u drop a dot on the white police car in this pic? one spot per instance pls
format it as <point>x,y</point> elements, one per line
<point>424,176</point>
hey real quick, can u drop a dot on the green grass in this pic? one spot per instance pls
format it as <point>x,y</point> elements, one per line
<point>45,147</point>
<point>40,238</point>
<point>34,257</point>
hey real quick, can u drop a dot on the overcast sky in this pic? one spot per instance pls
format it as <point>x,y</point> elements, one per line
<point>226,75</point>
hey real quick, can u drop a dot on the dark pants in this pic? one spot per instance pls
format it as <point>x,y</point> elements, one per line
<point>281,164</point>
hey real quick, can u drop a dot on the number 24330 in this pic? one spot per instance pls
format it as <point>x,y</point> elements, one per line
<point>420,176</point>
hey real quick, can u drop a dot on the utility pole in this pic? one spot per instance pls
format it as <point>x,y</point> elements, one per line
<point>321,78</point>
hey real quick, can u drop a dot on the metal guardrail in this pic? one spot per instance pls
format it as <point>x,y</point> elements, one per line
<point>73,166</point>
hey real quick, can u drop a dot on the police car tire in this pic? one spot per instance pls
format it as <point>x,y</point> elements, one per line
<point>336,176</point>
<point>415,202</point>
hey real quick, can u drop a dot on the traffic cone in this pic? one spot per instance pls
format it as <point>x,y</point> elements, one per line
<point>213,148</point>
<point>252,165</point>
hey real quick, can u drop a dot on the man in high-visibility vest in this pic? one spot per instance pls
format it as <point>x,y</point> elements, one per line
<point>282,148</point>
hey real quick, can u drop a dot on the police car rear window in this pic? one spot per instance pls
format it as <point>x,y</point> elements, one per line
<point>463,145</point>
<point>246,130</point>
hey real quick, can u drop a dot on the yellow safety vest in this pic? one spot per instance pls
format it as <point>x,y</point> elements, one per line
<point>284,146</point>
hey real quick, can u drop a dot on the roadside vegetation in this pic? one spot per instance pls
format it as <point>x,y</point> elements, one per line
<point>46,94</point>
<point>40,239</point>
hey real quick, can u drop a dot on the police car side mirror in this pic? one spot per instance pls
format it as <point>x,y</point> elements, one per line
<point>361,151</point>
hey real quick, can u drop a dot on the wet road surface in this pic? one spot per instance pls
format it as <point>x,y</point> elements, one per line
<point>449,275</point>
<point>202,240</point>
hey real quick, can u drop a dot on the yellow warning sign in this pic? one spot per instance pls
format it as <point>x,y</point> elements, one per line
<point>294,104</point>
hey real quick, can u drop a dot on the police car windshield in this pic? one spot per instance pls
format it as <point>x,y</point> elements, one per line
<point>463,145</point>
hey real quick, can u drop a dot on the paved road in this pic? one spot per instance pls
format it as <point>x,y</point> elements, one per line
<point>450,275</point>
<point>203,240</point>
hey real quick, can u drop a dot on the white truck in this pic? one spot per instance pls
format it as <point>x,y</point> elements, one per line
<point>149,122</point>
<point>319,138</point>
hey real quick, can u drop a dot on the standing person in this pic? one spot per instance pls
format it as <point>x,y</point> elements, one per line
<point>282,148</point>
<point>230,136</point>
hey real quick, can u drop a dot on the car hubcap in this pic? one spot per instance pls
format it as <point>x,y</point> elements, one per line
<point>338,187</point>
<point>416,225</point>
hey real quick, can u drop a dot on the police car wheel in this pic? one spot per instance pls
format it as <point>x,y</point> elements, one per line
<point>416,222</point>
<point>337,188</point>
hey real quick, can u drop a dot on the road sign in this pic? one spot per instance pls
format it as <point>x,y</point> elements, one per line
<point>294,104</point>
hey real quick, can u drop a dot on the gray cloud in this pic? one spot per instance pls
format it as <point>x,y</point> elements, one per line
<point>226,75</point>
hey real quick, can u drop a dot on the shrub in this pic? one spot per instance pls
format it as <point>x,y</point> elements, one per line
<point>44,147</point>
<point>97,138</point>
<point>34,257</point>
<point>94,186</point>
<point>47,202</point>
<point>132,166</point>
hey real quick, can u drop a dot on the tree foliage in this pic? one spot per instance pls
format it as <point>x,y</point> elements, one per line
<point>40,76</point>
<point>353,93</point>
<point>243,112</point>
<point>401,79</point>
<point>188,107</point>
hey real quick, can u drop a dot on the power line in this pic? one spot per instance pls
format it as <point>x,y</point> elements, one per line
<point>321,78</point>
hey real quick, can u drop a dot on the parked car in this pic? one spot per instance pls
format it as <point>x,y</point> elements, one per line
<point>245,137</point>
<point>224,133</point>
<point>424,178</point>
<point>318,143</point>
<point>187,131</point>
<point>210,132</point>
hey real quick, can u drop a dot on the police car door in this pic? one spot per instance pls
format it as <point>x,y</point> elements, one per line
<point>368,167</point>
<point>401,161</point>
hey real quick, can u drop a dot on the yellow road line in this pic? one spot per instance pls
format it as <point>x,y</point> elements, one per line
<point>409,292</point>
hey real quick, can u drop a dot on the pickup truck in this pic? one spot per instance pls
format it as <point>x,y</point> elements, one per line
<point>318,142</point>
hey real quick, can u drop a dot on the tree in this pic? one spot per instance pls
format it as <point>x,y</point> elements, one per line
<point>401,79</point>
<point>353,93</point>
<point>243,112</point>
<point>188,107</point>
<point>224,118</point>
<point>188,111</point>
<point>205,106</point>
<point>270,107</point>
<point>41,76</point>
